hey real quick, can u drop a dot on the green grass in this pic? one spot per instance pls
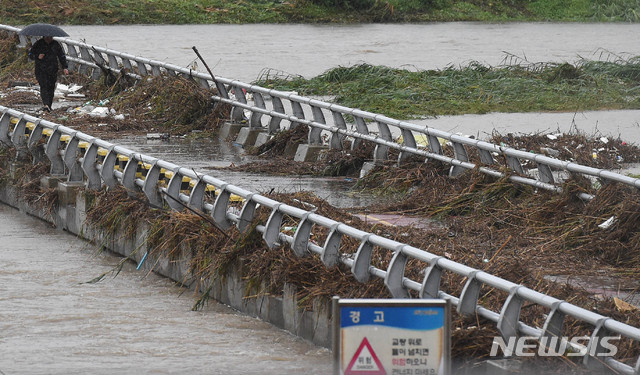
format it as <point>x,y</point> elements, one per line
<point>476,88</point>
<point>15,12</point>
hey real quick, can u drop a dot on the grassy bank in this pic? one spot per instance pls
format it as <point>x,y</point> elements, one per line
<point>476,88</point>
<point>312,11</point>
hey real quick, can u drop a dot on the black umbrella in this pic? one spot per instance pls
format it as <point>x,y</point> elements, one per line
<point>42,29</point>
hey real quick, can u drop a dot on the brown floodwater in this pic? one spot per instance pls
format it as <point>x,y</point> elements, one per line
<point>53,322</point>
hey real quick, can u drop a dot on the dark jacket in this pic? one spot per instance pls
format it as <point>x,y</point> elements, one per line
<point>53,53</point>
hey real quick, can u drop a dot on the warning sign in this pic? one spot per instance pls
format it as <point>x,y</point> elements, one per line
<point>391,337</point>
<point>365,361</point>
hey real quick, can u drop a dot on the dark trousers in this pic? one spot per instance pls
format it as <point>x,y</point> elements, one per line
<point>47,82</point>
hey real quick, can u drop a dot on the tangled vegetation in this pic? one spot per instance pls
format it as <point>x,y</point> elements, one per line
<point>517,86</point>
<point>313,11</point>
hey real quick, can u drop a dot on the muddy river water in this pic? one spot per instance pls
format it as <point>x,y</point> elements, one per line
<point>53,323</point>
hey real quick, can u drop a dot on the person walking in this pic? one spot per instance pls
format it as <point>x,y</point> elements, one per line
<point>46,53</point>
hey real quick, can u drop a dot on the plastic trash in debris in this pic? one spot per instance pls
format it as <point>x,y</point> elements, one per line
<point>608,223</point>
<point>99,112</point>
<point>158,136</point>
<point>553,137</point>
<point>604,140</point>
<point>619,159</point>
<point>119,117</point>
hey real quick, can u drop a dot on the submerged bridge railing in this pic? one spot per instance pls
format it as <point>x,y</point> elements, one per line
<point>96,163</point>
<point>330,119</point>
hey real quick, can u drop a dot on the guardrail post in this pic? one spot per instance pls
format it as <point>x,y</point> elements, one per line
<point>129,176</point>
<point>552,327</point>
<point>594,359</point>
<point>395,274</point>
<point>52,153</point>
<point>274,123</point>
<point>150,186</point>
<point>155,70</point>
<point>72,52</point>
<point>35,135</point>
<point>486,157</point>
<point>460,153</point>
<point>469,296</point>
<point>272,228</point>
<point>33,140</point>
<point>173,191</point>
<point>330,250</point>
<point>71,158</point>
<point>237,113</point>
<point>126,64</point>
<point>108,168</point>
<point>430,287</point>
<point>408,140</point>
<point>301,236</point>
<point>362,260</point>
<point>336,138</point>
<point>256,117</point>
<point>5,120</point>
<point>142,68</point>
<point>362,128</point>
<point>100,61</point>
<point>202,82</point>
<point>514,164</point>
<point>434,144</point>
<point>297,113</point>
<point>84,55</point>
<point>247,213</point>
<point>17,138</point>
<point>222,90</point>
<point>220,207</point>
<point>381,151</point>
<point>94,182</point>
<point>113,61</point>
<point>545,173</point>
<point>196,198</point>
<point>510,314</point>
<point>315,133</point>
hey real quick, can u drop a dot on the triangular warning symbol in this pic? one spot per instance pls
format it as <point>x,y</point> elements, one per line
<point>365,361</point>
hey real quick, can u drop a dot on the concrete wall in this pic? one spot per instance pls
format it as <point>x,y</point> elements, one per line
<point>230,289</point>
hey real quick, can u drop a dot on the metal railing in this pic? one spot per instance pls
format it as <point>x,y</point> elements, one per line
<point>95,163</point>
<point>494,160</point>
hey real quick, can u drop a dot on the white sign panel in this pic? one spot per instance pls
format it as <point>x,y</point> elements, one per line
<point>391,337</point>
